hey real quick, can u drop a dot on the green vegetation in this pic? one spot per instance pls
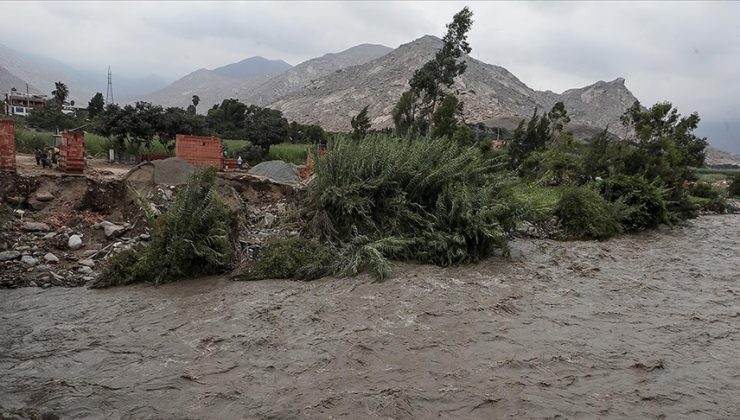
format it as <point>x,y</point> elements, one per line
<point>360,124</point>
<point>294,153</point>
<point>425,200</point>
<point>707,197</point>
<point>194,237</point>
<point>734,189</point>
<point>290,257</point>
<point>587,215</point>
<point>414,114</point>
<point>646,205</point>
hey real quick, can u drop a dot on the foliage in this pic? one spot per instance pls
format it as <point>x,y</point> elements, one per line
<point>535,134</point>
<point>290,258</point>
<point>587,215</point>
<point>708,197</point>
<point>96,105</point>
<point>307,134</point>
<point>665,148</point>
<point>60,93</point>
<point>265,127</point>
<point>51,118</point>
<point>422,200</point>
<point>294,153</point>
<point>360,124</point>
<point>647,207</point>
<point>604,156</point>
<point>734,189</point>
<point>445,118</point>
<point>414,112</point>
<point>537,202</point>
<point>194,237</point>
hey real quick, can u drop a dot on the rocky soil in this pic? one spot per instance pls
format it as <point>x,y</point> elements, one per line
<point>640,326</point>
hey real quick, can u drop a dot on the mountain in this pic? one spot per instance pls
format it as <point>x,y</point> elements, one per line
<point>257,80</point>
<point>490,92</point>
<point>9,81</point>
<point>213,86</point>
<point>252,67</point>
<point>42,72</point>
<point>300,75</point>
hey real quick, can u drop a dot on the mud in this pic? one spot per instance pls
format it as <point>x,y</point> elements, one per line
<point>641,326</point>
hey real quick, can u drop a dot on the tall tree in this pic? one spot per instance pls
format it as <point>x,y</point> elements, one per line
<point>60,93</point>
<point>429,83</point>
<point>194,107</point>
<point>445,117</point>
<point>360,124</point>
<point>96,105</point>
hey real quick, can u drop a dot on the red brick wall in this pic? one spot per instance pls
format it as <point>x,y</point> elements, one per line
<point>7,145</point>
<point>199,151</point>
<point>72,152</point>
<point>228,165</point>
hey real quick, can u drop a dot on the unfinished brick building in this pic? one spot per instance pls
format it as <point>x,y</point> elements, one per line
<point>72,152</point>
<point>199,150</point>
<point>7,145</point>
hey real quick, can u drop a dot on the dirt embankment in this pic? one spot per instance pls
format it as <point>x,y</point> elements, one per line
<point>641,326</point>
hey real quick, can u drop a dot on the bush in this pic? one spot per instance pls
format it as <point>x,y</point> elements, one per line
<point>734,189</point>
<point>587,215</point>
<point>27,141</point>
<point>647,207</point>
<point>194,237</point>
<point>290,258</point>
<point>707,197</point>
<point>425,200</point>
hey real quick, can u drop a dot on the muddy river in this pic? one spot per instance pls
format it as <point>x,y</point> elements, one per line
<point>641,326</point>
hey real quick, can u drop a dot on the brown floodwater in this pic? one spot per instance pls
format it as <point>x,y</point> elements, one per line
<point>641,326</point>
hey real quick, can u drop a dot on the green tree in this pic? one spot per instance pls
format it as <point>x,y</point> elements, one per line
<point>193,108</point>
<point>665,149</point>
<point>734,189</point>
<point>360,124</point>
<point>96,105</point>
<point>428,83</point>
<point>60,93</point>
<point>444,120</point>
<point>227,119</point>
<point>265,127</point>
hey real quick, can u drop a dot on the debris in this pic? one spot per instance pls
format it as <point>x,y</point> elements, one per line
<point>29,260</point>
<point>51,258</point>
<point>35,227</point>
<point>75,242</point>
<point>87,263</point>
<point>9,255</point>
<point>44,196</point>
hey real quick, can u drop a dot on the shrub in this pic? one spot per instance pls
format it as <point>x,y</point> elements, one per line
<point>426,200</point>
<point>734,189</point>
<point>587,215</point>
<point>707,197</point>
<point>194,237</point>
<point>647,207</point>
<point>289,258</point>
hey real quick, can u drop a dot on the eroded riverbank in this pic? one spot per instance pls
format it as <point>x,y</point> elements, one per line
<point>639,326</point>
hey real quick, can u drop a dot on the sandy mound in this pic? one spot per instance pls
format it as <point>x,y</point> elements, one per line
<point>278,171</point>
<point>172,171</point>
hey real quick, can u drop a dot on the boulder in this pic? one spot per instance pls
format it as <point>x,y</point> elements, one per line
<point>112,230</point>
<point>35,227</point>
<point>85,270</point>
<point>75,242</point>
<point>29,260</point>
<point>51,258</point>
<point>87,262</point>
<point>9,255</point>
<point>44,196</point>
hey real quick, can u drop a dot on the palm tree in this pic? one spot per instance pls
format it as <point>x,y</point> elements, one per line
<point>196,100</point>
<point>61,93</point>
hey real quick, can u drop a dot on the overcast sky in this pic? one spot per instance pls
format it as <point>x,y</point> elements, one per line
<point>688,53</point>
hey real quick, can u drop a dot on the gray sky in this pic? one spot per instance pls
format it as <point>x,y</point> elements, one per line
<point>685,52</point>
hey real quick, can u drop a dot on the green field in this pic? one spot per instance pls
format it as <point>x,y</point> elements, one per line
<point>295,153</point>
<point>712,175</point>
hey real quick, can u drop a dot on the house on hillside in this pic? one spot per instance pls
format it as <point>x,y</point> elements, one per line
<point>22,103</point>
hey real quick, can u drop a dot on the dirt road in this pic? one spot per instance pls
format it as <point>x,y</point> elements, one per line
<point>641,326</point>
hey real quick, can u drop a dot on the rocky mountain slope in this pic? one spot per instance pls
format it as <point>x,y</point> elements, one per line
<point>302,74</point>
<point>252,67</point>
<point>489,92</point>
<point>9,81</point>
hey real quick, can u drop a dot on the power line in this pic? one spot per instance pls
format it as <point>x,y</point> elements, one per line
<point>109,94</point>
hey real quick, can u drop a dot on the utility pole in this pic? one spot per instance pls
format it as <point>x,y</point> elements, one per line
<point>109,94</point>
